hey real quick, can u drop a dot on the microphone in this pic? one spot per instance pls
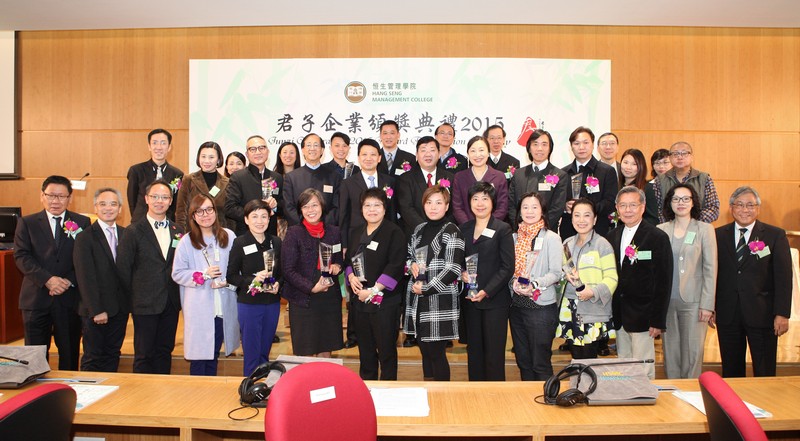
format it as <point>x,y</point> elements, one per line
<point>84,176</point>
<point>14,360</point>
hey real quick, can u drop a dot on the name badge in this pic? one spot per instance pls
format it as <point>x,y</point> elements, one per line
<point>689,237</point>
<point>399,171</point>
<point>593,190</point>
<point>488,232</point>
<point>644,255</point>
<point>587,259</point>
<point>763,253</point>
<point>214,190</point>
<point>250,249</point>
<point>508,175</point>
<point>175,243</point>
<point>276,190</point>
<point>327,188</point>
<point>544,186</point>
<point>336,248</point>
<point>373,246</point>
<point>537,244</point>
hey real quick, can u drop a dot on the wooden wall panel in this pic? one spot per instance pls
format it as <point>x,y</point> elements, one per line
<point>88,98</point>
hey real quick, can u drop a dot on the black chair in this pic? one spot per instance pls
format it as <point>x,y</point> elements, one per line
<point>43,413</point>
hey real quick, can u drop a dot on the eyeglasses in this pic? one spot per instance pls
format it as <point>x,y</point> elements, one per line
<point>55,197</point>
<point>631,206</point>
<point>159,197</point>
<point>661,162</point>
<point>203,211</point>
<point>683,200</point>
<point>257,148</point>
<point>107,204</point>
<point>741,206</point>
<point>608,143</point>
<point>680,153</point>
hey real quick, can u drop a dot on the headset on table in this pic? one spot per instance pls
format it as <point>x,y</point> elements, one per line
<point>255,393</point>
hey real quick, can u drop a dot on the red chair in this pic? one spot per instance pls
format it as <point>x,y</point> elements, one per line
<point>43,413</point>
<point>291,415</point>
<point>728,417</point>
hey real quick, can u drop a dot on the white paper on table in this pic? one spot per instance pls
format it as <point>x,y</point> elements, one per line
<point>88,394</point>
<point>401,401</point>
<point>696,400</point>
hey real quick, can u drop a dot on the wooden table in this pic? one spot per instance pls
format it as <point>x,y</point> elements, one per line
<point>156,407</point>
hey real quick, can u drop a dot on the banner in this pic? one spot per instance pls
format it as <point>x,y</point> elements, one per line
<point>286,99</point>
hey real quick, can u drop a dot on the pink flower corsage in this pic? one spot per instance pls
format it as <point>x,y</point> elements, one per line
<point>255,288</point>
<point>511,170</point>
<point>71,228</point>
<point>756,246</point>
<point>630,252</point>
<point>274,184</point>
<point>552,180</point>
<point>444,183</point>
<point>591,181</point>
<point>406,166</point>
<point>389,191</point>
<point>535,294</point>
<point>452,162</point>
<point>198,278</point>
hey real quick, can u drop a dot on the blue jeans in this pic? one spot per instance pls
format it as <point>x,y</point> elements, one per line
<point>532,332</point>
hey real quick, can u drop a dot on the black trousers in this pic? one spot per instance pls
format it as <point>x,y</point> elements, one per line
<point>351,318</point>
<point>102,343</point>
<point>154,340</point>
<point>487,332</point>
<point>376,334</point>
<point>435,354</point>
<point>733,341</point>
<point>60,323</point>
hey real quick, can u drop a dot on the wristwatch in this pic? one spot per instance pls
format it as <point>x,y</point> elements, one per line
<point>580,288</point>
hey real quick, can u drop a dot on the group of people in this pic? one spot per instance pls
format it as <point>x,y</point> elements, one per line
<point>441,245</point>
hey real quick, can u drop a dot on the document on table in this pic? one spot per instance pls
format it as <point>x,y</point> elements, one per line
<point>401,401</point>
<point>88,394</point>
<point>696,400</point>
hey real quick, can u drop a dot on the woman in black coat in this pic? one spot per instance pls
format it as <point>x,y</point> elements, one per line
<point>377,252</point>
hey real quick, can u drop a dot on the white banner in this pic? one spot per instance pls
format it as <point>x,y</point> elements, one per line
<point>285,99</point>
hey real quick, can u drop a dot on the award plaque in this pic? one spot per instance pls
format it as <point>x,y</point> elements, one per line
<point>325,257</point>
<point>472,272</point>
<point>421,258</point>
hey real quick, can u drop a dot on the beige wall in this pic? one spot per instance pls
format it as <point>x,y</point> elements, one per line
<point>88,98</point>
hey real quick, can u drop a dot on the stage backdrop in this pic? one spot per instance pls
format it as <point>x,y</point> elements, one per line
<point>285,99</point>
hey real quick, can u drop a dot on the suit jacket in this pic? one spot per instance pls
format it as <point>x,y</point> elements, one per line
<point>244,186</point>
<point>603,199</point>
<point>384,262</point>
<point>400,156</point>
<point>642,296</point>
<point>350,216</point>
<point>299,263</point>
<point>242,265</point>
<point>697,263</point>
<point>495,262</point>
<point>323,179</point>
<point>139,177</point>
<point>194,184</point>
<point>144,271</point>
<point>461,162</point>
<point>410,187</point>
<point>464,180</point>
<point>555,197</point>
<point>761,287</point>
<point>504,163</point>
<point>38,258</point>
<point>101,287</point>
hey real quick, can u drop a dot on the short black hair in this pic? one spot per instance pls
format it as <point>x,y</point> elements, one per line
<point>369,142</point>
<point>542,203</point>
<point>256,204</point>
<point>321,142</point>
<point>210,145</point>
<point>341,136</point>
<point>436,132</point>
<point>492,127</point>
<point>427,139</point>
<point>389,122</point>
<point>483,187</point>
<point>538,133</point>
<point>574,135</point>
<point>158,182</point>
<point>696,209</point>
<point>58,180</point>
<point>375,193</point>
<point>156,132</point>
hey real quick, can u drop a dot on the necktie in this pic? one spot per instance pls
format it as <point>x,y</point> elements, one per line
<point>159,173</point>
<point>159,224</point>
<point>372,182</point>
<point>430,183</point>
<point>59,232</point>
<point>112,241</point>
<point>579,168</point>
<point>389,160</point>
<point>741,246</point>
<point>536,169</point>
<point>495,160</point>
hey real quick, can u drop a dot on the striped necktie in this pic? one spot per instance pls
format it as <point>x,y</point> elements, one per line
<point>741,246</point>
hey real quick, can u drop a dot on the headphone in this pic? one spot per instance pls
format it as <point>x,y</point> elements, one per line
<point>255,393</point>
<point>569,397</point>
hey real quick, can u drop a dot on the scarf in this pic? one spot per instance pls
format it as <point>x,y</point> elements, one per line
<point>525,236</point>
<point>316,231</point>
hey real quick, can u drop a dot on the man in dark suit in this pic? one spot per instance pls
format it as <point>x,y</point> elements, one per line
<point>754,288</point>
<point>43,252</point>
<point>253,182</point>
<point>448,157</point>
<point>104,305</point>
<point>312,175</point>
<point>600,189</point>
<point>340,150</point>
<point>395,161</point>
<point>159,143</point>
<point>498,159</point>
<point>644,267</point>
<point>144,260</point>
<point>542,177</point>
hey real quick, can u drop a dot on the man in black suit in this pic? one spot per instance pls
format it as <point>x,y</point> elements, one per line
<point>159,143</point>
<point>542,177</point>
<point>144,260</point>
<point>254,182</point>
<point>340,150</point>
<point>498,159</point>
<point>644,268</point>
<point>754,288</point>
<point>600,189</point>
<point>43,252</point>
<point>104,305</point>
<point>394,161</point>
<point>312,175</point>
<point>448,157</point>
<point>411,185</point>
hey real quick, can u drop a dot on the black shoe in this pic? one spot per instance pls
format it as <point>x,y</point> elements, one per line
<point>605,352</point>
<point>449,343</point>
<point>564,347</point>
<point>513,351</point>
<point>409,341</point>
<point>350,343</point>
<point>276,339</point>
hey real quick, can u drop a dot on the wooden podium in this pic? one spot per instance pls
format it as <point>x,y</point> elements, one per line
<point>10,283</point>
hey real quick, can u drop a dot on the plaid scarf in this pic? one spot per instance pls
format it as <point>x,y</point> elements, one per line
<point>525,236</point>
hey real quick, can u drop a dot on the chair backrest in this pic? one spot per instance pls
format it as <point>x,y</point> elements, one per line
<point>320,401</point>
<point>43,413</point>
<point>728,417</point>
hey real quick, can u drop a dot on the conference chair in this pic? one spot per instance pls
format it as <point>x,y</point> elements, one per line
<point>320,401</point>
<point>728,417</point>
<point>43,413</point>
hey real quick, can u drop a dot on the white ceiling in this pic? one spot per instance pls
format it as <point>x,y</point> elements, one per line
<point>23,15</point>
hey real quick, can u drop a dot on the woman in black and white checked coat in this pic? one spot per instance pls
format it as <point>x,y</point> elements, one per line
<point>432,303</point>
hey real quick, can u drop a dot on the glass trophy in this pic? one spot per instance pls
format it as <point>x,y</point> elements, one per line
<point>577,180</point>
<point>524,279</point>
<point>359,267</point>
<point>421,258</point>
<point>269,266</point>
<point>325,257</point>
<point>266,188</point>
<point>570,270</point>
<point>217,280</point>
<point>472,273</point>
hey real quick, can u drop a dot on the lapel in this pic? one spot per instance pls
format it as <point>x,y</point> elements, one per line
<point>420,179</point>
<point>492,225</point>
<point>362,184</point>
<point>173,230</point>
<point>725,245</point>
<point>756,234</point>
<point>147,232</point>
<point>616,241</point>
<point>43,224</point>
<point>100,236</point>
<point>637,240</point>
<point>199,182</point>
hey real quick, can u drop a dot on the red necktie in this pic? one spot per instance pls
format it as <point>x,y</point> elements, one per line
<point>430,184</point>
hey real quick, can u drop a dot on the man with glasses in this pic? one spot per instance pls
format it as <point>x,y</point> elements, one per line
<point>254,182</point>
<point>644,268</point>
<point>48,298</point>
<point>312,175</point>
<point>159,143</point>
<point>680,155</point>
<point>607,147</point>
<point>105,304</point>
<point>448,157</point>
<point>144,260</point>
<point>754,288</point>
<point>498,159</point>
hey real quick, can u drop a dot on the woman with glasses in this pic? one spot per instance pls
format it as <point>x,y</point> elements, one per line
<point>694,279</point>
<point>209,306</point>
<point>207,181</point>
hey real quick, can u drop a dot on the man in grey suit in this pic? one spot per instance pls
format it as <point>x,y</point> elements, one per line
<point>144,260</point>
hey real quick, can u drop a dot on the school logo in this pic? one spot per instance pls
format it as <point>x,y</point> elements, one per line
<point>528,127</point>
<point>355,92</point>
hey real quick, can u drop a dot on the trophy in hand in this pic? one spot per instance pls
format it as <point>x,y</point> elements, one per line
<point>472,273</point>
<point>524,279</point>
<point>269,266</point>
<point>217,281</point>
<point>267,186</point>
<point>576,181</point>
<point>571,271</point>
<point>325,257</point>
<point>359,268</point>
<point>421,257</point>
